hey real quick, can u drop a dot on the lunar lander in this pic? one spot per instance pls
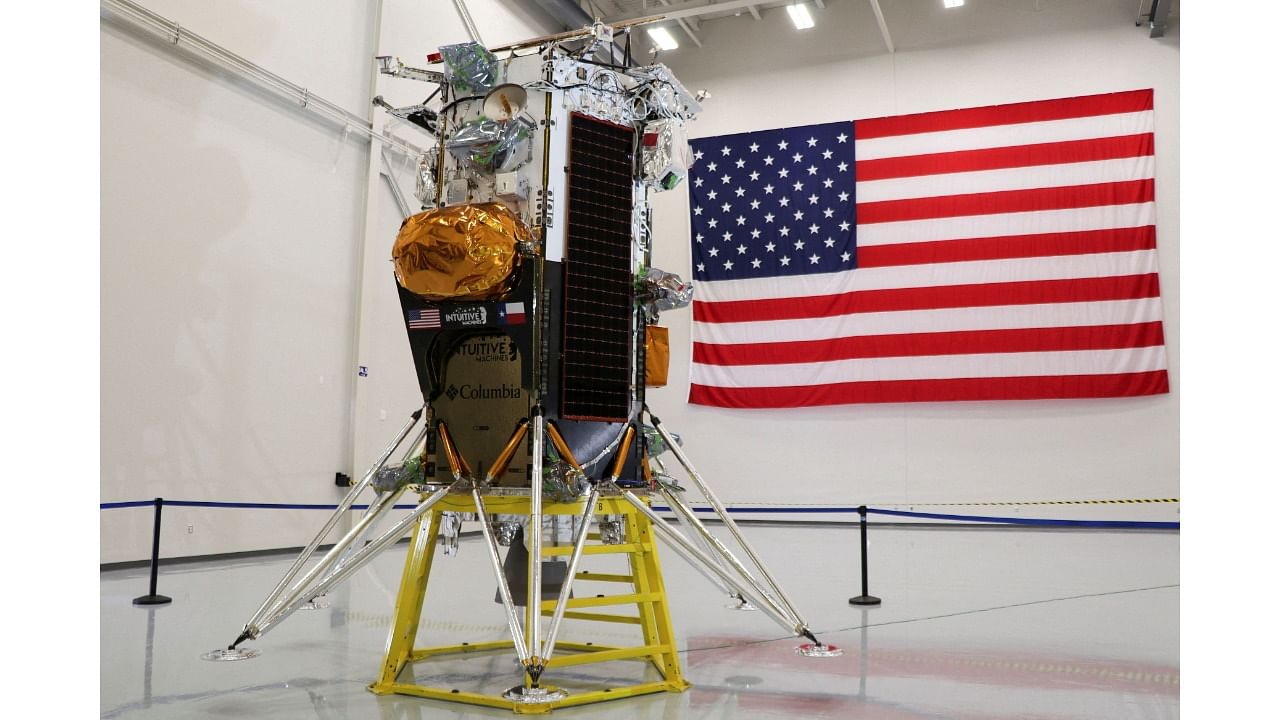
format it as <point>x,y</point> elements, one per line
<point>530,306</point>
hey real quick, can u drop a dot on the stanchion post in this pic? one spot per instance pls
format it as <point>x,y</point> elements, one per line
<point>865,598</point>
<point>152,598</point>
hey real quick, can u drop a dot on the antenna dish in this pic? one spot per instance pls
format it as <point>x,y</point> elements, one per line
<point>505,102</point>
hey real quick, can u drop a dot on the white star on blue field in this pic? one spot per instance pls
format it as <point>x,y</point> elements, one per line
<point>773,203</point>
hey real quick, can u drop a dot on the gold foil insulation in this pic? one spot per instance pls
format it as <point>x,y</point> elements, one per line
<point>508,451</point>
<point>657,355</point>
<point>463,252</point>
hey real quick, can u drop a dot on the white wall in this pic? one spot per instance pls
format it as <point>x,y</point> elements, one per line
<point>232,237</point>
<point>230,224</point>
<point>764,74</point>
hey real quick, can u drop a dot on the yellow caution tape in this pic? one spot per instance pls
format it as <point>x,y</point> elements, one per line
<point>1171,677</point>
<point>1055,502</point>
<point>919,504</point>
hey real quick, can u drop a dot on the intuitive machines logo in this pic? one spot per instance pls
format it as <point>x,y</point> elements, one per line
<point>470,315</point>
<point>488,350</point>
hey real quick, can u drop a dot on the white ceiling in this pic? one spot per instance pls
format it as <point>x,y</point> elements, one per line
<point>639,8</point>
<point>904,19</point>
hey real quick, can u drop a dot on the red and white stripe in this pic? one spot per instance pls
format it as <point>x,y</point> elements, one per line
<point>1005,252</point>
<point>514,313</point>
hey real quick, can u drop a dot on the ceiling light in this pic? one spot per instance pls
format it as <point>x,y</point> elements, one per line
<point>661,36</point>
<point>800,16</point>
<point>952,3</point>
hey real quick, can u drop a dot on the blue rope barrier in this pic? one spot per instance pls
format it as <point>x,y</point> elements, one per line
<point>1041,522</point>
<point>131,503</point>
<point>260,506</point>
<point>771,510</point>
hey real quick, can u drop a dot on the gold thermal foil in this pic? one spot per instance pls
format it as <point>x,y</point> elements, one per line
<point>463,252</point>
<point>657,355</point>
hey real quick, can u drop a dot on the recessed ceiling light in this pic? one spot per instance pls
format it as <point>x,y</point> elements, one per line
<point>663,37</point>
<point>800,16</point>
<point>952,3</point>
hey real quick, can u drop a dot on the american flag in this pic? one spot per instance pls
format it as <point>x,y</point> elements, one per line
<point>1003,252</point>
<point>428,318</point>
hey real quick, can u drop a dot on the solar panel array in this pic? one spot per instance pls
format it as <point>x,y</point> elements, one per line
<point>598,289</point>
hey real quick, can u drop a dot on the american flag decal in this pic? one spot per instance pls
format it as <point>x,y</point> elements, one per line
<point>421,319</point>
<point>994,253</point>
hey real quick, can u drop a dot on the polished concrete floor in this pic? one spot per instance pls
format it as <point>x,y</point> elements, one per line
<point>975,623</point>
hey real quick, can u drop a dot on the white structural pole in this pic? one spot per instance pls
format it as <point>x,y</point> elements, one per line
<point>465,16</point>
<point>504,590</point>
<point>533,600</point>
<point>693,555</point>
<point>884,28</point>
<point>727,520</point>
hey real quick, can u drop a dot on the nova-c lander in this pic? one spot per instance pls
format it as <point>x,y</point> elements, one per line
<point>531,308</point>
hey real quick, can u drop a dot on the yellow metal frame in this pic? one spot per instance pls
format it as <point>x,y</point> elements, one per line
<point>647,594</point>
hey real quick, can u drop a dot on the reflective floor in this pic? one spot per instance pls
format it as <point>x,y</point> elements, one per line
<point>974,623</point>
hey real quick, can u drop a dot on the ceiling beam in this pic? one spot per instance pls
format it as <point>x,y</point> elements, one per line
<point>685,25</point>
<point>689,31</point>
<point>884,29</point>
<point>598,6</point>
<point>698,8</point>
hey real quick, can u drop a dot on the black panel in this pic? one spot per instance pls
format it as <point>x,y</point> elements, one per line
<point>598,284</point>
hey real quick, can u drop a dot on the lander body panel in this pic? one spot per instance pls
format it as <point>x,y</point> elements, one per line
<point>571,314</point>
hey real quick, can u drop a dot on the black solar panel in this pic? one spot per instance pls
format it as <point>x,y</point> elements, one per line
<point>598,285</point>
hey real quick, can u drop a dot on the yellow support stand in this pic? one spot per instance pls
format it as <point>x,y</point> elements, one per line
<point>647,594</point>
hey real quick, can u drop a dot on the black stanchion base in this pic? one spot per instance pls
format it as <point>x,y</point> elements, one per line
<point>152,600</point>
<point>864,600</point>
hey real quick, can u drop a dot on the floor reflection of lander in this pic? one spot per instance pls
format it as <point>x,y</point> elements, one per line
<point>757,682</point>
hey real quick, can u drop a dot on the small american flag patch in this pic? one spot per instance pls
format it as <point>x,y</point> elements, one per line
<point>428,318</point>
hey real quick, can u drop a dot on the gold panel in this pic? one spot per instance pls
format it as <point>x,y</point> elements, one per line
<point>657,355</point>
<point>463,252</point>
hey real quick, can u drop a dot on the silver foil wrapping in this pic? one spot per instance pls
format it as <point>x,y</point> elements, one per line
<point>654,442</point>
<point>492,146</point>
<point>561,482</point>
<point>470,68</point>
<point>662,291</point>
<point>425,189</point>
<point>389,478</point>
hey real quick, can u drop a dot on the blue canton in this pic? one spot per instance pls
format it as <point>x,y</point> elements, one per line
<point>773,203</point>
